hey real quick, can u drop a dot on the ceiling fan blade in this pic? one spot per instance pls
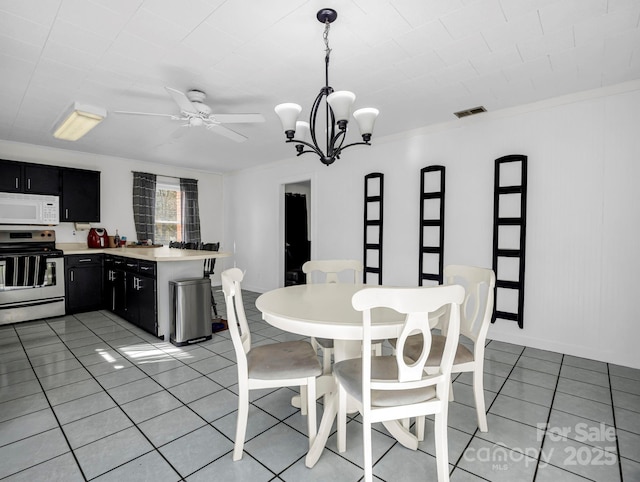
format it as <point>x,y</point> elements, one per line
<point>181,99</point>
<point>237,118</point>
<point>223,131</point>
<point>141,113</point>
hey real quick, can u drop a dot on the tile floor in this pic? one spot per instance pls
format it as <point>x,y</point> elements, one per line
<point>91,397</point>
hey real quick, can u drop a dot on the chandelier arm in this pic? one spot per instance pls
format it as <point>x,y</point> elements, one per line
<point>313,148</point>
<point>364,143</point>
<point>313,117</point>
<point>340,136</point>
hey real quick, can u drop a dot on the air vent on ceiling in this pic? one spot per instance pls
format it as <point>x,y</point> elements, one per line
<point>468,112</point>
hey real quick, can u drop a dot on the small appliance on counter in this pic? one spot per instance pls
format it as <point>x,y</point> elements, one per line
<point>98,238</point>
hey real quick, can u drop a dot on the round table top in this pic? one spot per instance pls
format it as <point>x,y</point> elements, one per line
<point>324,310</point>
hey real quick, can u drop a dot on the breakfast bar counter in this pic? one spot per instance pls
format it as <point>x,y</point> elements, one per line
<point>160,254</point>
<point>171,264</point>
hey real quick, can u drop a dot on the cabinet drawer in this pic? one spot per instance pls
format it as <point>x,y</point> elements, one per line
<point>131,265</point>
<point>147,268</point>
<point>77,260</point>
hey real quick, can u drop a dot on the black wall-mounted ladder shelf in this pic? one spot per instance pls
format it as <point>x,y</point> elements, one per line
<point>431,261</point>
<point>509,237</point>
<point>373,217</point>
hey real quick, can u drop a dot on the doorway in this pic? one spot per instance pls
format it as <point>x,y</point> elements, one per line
<point>297,224</point>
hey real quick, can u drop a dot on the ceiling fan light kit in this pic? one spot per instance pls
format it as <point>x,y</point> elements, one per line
<point>338,105</point>
<point>78,120</point>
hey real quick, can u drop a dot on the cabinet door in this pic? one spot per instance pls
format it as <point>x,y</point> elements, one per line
<point>40,179</point>
<point>80,196</point>
<point>10,176</point>
<point>83,288</point>
<point>120,293</point>
<point>146,303</point>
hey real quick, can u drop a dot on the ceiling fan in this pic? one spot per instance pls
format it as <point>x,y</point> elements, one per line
<point>195,113</point>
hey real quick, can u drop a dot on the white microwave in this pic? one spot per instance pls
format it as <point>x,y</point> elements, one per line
<point>18,208</point>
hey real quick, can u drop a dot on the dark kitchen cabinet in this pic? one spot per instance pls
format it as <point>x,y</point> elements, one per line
<point>83,283</point>
<point>141,301</point>
<point>115,285</point>
<point>22,177</point>
<point>80,196</point>
<point>131,291</point>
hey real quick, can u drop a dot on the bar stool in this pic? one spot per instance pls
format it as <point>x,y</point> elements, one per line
<point>209,265</point>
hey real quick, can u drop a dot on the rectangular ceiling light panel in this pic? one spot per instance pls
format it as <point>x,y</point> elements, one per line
<point>79,120</point>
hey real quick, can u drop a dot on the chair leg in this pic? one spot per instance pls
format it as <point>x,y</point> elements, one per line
<point>304,395</point>
<point>478,395</point>
<point>420,421</point>
<point>214,305</point>
<point>326,360</point>
<point>341,420</point>
<point>241,426</point>
<point>312,423</point>
<point>442,450</point>
<point>366,447</point>
<point>377,349</point>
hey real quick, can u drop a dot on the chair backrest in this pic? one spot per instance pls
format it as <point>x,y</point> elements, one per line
<point>209,264</point>
<point>416,304</point>
<point>236,316</point>
<point>331,268</point>
<point>477,308</point>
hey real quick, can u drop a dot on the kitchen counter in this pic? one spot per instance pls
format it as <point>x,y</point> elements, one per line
<point>149,254</point>
<point>172,264</point>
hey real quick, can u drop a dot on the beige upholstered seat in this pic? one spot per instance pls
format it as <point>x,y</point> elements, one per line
<point>291,363</point>
<point>393,387</point>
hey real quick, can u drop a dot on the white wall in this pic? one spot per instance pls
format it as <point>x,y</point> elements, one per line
<point>116,188</point>
<point>583,220</point>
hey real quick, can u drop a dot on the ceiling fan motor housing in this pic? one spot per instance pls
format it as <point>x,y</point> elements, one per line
<point>196,96</point>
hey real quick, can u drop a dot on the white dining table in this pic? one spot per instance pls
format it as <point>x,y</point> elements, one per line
<point>325,311</point>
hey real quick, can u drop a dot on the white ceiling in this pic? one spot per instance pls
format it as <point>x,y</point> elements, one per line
<point>418,61</point>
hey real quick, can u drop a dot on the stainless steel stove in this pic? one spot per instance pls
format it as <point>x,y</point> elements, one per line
<point>31,276</point>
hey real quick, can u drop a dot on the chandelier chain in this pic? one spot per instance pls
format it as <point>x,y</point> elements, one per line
<point>325,36</point>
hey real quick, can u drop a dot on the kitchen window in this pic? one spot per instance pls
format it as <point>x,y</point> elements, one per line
<point>165,209</point>
<point>168,212</point>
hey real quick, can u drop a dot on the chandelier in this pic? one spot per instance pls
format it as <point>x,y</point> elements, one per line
<point>337,107</point>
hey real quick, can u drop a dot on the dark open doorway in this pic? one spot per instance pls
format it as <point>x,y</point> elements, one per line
<point>297,242</point>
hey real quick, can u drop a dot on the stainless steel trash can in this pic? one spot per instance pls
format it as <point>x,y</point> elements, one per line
<point>190,310</point>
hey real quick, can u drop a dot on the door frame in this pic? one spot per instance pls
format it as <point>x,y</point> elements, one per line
<point>311,179</point>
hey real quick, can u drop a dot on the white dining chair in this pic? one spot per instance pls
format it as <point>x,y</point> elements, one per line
<point>332,270</point>
<point>284,364</point>
<point>386,388</point>
<point>475,317</point>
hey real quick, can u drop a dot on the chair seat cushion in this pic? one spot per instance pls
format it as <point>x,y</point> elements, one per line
<point>349,373</point>
<point>289,359</point>
<point>413,348</point>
